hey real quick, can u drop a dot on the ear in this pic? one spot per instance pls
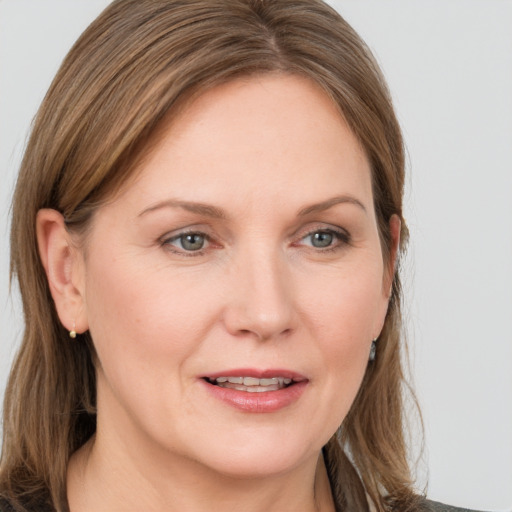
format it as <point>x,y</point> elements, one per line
<point>389,272</point>
<point>63,264</point>
<point>394,230</point>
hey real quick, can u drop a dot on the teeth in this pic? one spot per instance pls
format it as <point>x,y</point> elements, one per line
<point>251,381</point>
<point>269,382</point>
<point>252,384</point>
<point>259,389</point>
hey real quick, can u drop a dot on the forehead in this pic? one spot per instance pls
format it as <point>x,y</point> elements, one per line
<point>250,103</point>
<point>271,133</point>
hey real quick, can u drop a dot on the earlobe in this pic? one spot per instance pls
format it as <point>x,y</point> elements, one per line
<point>63,267</point>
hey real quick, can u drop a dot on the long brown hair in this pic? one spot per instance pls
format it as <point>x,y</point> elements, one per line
<point>135,65</point>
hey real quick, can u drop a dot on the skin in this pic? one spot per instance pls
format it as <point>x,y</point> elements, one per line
<point>267,155</point>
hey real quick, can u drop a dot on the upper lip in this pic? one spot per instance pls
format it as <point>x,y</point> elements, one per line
<point>257,374</point>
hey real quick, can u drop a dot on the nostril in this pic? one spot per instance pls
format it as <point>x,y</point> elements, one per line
<point>252,316</point>
<point>264,334</point>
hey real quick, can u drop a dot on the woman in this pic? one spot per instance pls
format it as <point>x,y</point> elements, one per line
<point>206,231</point>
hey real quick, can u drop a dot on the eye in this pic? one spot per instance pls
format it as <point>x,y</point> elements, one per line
<point>188,242</point>
<point>321,239</point>
<point>326,239</point>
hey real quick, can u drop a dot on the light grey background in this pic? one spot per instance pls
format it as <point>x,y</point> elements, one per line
<point>449,66</point>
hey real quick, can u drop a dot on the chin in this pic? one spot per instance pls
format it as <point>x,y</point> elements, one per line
<point>257,456</point>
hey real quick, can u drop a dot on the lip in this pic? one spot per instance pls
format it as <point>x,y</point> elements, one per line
<point>257,374</point>
<point>263,402</point>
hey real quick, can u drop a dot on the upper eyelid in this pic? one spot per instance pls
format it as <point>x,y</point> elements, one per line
<point>173,236</point>
<point>166,242</point>
<point>339,233</point>
<point>185,233</point>
<point>342,237</point>
<point>306,231</point>
<point>192,229</point>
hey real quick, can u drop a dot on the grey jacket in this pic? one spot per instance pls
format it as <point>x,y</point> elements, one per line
<point>435,506</point>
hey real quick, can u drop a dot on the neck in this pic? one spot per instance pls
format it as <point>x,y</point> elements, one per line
<point>104,477</point>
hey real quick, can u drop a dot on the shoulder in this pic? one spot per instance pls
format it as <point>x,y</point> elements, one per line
<point>435,506</point>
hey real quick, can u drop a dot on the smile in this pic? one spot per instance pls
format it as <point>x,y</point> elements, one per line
<point>252,384</point>
<point>256,391</point>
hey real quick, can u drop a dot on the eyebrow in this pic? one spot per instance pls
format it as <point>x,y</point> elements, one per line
<point>217,213</point>
<point>329,203</point>
<point>199,208</point>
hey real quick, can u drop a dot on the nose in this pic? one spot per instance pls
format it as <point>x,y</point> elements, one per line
<point>260,294</point>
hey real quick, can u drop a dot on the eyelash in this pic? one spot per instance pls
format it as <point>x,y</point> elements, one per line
<point>342,238</point>
<point>167,243</point>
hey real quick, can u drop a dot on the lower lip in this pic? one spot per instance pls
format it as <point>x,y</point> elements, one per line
<point>263,402</point>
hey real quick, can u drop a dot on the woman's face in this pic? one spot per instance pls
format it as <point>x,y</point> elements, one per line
<point>245,249</point>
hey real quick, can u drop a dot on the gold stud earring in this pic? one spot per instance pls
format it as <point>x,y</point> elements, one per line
<point>72,333</point>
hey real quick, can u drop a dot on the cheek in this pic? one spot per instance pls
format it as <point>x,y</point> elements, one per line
<point>144,328</point>
<point>345,317</point>
<point>347,303</point>
<point>141,321</point>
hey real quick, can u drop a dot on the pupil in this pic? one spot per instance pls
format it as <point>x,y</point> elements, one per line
<point>192,242</point>
<point>322,239</point>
